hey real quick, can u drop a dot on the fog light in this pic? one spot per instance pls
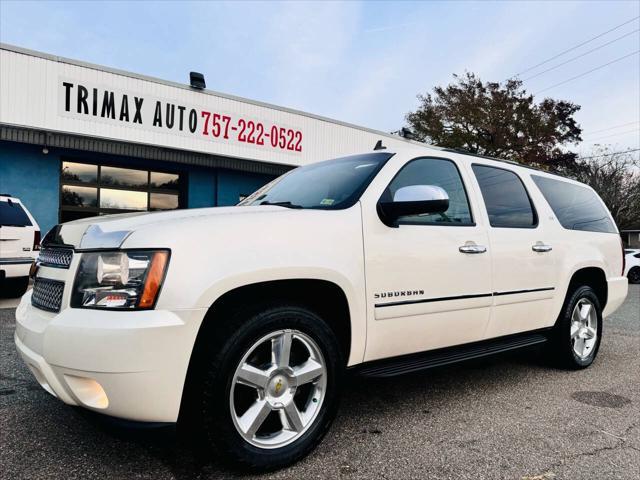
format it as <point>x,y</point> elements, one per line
<point>88,391</point>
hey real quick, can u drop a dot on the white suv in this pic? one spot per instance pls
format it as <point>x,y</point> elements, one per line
<point>19,242</point>
<point>241,321</point>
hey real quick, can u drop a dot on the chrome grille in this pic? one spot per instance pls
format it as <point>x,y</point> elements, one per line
<point>47,294</point>
<point>55,257</point>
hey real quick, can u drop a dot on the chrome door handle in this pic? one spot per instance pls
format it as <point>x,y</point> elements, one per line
<point>541,247</point>
<point>472,248</point>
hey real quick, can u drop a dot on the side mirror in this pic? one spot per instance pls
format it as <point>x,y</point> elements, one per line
<point>413,200</point>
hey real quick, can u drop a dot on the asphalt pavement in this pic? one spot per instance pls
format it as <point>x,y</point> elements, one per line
<point>510,417</point>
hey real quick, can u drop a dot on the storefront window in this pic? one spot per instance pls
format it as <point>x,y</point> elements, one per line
<point>79,172</point>
<point>79,196</point>
<point>123,199</point>
<point>163,201</point>
<point>88,190</point>
<point>164,180</point>
<point>123,177</point>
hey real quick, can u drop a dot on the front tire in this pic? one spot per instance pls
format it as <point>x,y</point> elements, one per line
<point>576,337</point>
<point>634,275</point>
<point>271,390</point>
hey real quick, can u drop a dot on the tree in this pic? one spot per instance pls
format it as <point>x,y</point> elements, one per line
<point>616,178</point>
<point>499,120</point>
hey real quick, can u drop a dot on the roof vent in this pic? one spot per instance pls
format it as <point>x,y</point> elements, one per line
<point>197,80</point>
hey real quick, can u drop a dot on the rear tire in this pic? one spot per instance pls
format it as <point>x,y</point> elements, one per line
<point>295,407</point>
<point>634,275</point>
<point>14,287</point>
<point>575,339</point>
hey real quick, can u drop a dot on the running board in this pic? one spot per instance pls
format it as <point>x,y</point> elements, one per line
<point>445,356</point>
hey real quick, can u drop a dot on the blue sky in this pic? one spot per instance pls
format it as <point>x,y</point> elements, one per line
<point>359,62</point>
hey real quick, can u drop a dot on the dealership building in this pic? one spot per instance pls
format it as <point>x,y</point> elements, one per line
<point>78,140</point>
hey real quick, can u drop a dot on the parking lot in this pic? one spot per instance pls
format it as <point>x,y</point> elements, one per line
<point>509,417</point>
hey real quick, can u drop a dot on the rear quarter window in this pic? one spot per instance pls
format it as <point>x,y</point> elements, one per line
<point>13,215</point>
<point>576,207</point>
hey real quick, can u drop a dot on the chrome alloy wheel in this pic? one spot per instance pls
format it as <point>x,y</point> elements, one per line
<point>584,328</point>
<point>278,389</point>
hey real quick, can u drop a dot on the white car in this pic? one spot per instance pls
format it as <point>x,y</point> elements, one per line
<point>242,321</point>
<point>632,265</point>
<point>19,243</point>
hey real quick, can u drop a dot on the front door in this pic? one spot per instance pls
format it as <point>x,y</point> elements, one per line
<point>428,280</point>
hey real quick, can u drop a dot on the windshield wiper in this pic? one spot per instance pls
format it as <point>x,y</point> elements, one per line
<point>281,204</point>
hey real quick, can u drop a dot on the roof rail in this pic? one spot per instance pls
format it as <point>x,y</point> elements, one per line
<point>487,157</point>
<point>5,195</point>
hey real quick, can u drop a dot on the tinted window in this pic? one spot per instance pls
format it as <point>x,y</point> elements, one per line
<point>333,184</point>
<point>79,196</point>
<point>88,190</point>
<point>439,172</point>
<point>123,177</point>
<point>12,215</point>
<point>576,207</point>
<point>123,199</point>
<point>508,204</point>
<point>164,180</point>
<point>79,172</point>
<point>163,201</point>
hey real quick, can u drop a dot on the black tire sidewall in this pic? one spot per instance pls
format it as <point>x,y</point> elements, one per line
<point>634,275</point>
<point>218,425</point>
<point>563,334</point>
<point>15,286</point>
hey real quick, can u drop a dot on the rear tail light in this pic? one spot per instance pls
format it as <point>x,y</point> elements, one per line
<point>624,259</point>
<point>36,240</point>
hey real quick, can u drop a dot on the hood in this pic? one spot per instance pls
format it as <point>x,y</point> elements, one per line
<point>110,231</point>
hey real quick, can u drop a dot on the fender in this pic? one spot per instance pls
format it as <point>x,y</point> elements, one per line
<point>565,280</point>
<point>354,296</point>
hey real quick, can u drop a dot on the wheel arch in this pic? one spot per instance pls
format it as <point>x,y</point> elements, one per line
<point>324,297</point>
<point>593,277</point>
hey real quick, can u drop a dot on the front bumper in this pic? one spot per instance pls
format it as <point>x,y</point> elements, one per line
<point>129,365</point>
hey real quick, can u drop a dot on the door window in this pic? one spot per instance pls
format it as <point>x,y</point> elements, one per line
<point>507,201</point>
<point>442,173</point>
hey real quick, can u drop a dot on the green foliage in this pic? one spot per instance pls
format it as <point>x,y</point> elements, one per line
<point>499,120</point>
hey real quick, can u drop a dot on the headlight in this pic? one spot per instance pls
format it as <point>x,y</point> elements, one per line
<point>123,280</point>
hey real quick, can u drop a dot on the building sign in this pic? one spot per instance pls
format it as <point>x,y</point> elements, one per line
<point>82,100</point>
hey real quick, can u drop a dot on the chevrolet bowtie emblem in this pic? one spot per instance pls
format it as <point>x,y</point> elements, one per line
<point>278,386</point>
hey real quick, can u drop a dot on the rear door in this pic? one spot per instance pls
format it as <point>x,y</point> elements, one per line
<point>16,230</point>
<point>523,273</point>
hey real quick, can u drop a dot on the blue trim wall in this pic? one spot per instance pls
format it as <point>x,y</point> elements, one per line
<point>202,188</point>
<point>33,177</point>
<point>232,184</point>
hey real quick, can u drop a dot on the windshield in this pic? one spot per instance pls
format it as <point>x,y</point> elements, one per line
<point>329,185</point>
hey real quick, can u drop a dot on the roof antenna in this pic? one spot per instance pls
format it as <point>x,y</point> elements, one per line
<point>379,146</point>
